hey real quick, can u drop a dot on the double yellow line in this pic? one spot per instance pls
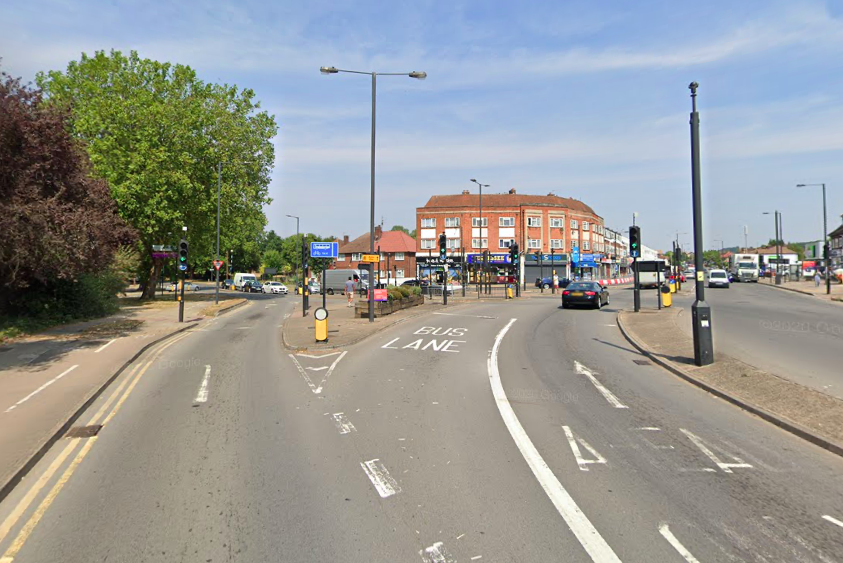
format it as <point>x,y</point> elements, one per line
<point>114,403</point>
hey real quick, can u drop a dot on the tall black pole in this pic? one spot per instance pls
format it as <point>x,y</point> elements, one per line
<point>701,312</point>
<point>219,189</point>
<point>778,277</point>
<point>372,207</point>
<point>826,250</point>
<point>636,291</point>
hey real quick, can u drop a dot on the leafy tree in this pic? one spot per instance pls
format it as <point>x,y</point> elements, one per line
<point>156,134</point>
<point>404,230</point>
<point>273,259</point>
<point>59,224</point>
<point>714,258</point>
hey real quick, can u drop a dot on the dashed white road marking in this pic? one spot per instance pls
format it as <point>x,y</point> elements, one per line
<point>476,557</point>
<point>380,478</point>
<point>583,529</point>
<point>664,530</point>
<point>436,553</point>
<point>652,428</point>
<point>202,396</point>
<point>726,467</point>
<point>104,346</point>
<point>53,380</point>
<point>833,520</point>
<point>343,424</point>
<point>581,369</point>
<point>582,462</point>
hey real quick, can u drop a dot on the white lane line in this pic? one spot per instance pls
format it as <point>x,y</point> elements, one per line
<point>104,346</point>
<point>581,462</point>
<point>202,396</point>
<point>343,424</point>
<point>380,478</point>
<point>476,557</point>
<point>664,530</point>
<point>53,380</point>
<point>653,428</point>
<point>833,520</point>
<point>581,369</point>
<point>436,553</point>
<point>726,467</point>
<point>583,529</point>
<point>462,315</point>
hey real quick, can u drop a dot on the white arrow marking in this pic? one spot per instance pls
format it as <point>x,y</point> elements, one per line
<point>583,463</point>
<point>664,530</point>
<point>726,467</point>
<point>581,369</point>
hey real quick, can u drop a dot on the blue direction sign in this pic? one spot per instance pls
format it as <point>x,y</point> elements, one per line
<point>575,255</point>
<point>324,249</point>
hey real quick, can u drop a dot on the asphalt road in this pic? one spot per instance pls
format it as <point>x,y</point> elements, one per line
<point>796,336</point>
<point>495,432</point>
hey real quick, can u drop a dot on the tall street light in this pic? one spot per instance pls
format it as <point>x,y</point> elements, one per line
<point>826,253</point>
<point>374,75</point>
<point>480,230</point>
<point>303,298</point>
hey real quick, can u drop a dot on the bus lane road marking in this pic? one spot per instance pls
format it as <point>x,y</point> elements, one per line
<point>434,344</point>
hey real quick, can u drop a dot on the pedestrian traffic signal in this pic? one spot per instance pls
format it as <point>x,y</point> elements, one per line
<point>443,242</point>
<point>183,252</point>
<point>635,241</point>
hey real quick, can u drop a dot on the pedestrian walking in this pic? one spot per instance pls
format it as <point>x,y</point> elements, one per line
<point>817,278</point>
<point>349,291</point>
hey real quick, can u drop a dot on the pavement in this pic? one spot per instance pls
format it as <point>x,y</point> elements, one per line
<point>502,431</point>
<point>808,288</point>
<point>808,413</point>
<point>45,379</point>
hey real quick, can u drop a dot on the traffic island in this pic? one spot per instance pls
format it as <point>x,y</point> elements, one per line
<point>361,308</point>
<point>808,413</point>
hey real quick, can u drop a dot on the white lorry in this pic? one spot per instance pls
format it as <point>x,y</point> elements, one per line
<point>745,267</point>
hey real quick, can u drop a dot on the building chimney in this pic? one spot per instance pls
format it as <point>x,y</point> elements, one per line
<point>512,191</point>
<point>378,232</point>
<point>345,239</point>
<point>466,192</point>
<point>551,194</point>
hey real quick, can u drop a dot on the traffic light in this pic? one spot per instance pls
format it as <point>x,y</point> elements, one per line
<point>183,248</point>
<point>442,244</point>
<point>513,254</point>
<point>635,242</point>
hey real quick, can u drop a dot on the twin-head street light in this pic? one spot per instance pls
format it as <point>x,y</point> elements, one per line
<point>417,75</point>
<point>480,221</point>
<point>826,253</point>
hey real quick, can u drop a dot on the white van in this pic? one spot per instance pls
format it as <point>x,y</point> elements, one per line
<point>240,278</point>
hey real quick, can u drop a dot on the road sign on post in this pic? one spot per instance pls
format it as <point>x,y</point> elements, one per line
<point>371,258</point>
<point>324,249</point>
<point>217,265</point>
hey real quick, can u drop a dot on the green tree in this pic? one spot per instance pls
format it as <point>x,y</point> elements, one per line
<point>156,134</point>
<point>273,259</point>
<point>404,230</point>
<point>713,257</point>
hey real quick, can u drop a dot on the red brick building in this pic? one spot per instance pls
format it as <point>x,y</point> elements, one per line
<point>398,253</point>
<point>535,222</point>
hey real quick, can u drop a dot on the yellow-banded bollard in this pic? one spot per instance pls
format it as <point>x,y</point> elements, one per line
<point>320,320</point>
<point>667,297</point>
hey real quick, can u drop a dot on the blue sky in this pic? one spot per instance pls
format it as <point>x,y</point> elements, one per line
<point>582,99</point>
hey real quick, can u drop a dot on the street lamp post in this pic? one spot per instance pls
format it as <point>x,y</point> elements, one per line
<point>777,218</point>
<point>303,286</point>
<point>701,312</point>
<point>826,253</point>
<point>480,229</point>
<point>374,75</point>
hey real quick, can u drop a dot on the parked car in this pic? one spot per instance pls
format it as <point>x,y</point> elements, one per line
<point>228,284</point>
<point>547,282</point>
<point>275,287</point>
<point>585,293</point>
<point>251,286</point>
<point>718,278</point>
<point>416,283</point>
<point>187,287</point>
<point>314,288</point>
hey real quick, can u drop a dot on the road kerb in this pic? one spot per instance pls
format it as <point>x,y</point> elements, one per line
<point>783,423</point>
<point>61,428</point>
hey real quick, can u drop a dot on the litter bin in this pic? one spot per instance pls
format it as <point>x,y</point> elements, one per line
<point>509,292</point>
<point>667,297</point>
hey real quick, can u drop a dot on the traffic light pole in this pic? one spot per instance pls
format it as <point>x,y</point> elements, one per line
<point>636,292</point>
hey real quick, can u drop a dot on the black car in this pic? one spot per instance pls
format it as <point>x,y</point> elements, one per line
<point>585,293</point>
<point>250,286</point>
<point>416,283</point>
<point>547,282</point>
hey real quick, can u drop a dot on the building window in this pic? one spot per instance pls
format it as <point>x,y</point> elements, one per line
<point>452,243</point>
<point>505,242</point>
<point>557,222</point>
<point>399,273</point>
<point>534,221</point>
<point>399,256</point>
<point>575,224</point>
<point>534,243</point>
<point>475,243</point>
<point>475,221</point>
<point>575,235</point>
<point>452,222</point>
<point>557,243</point>
<point>585,225</point>
<point>506,222</point>
<point>428,243</point>
<point>586,245</point>
<point>429,222</point>
<point>340,257</point>
<point>356,256</point>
